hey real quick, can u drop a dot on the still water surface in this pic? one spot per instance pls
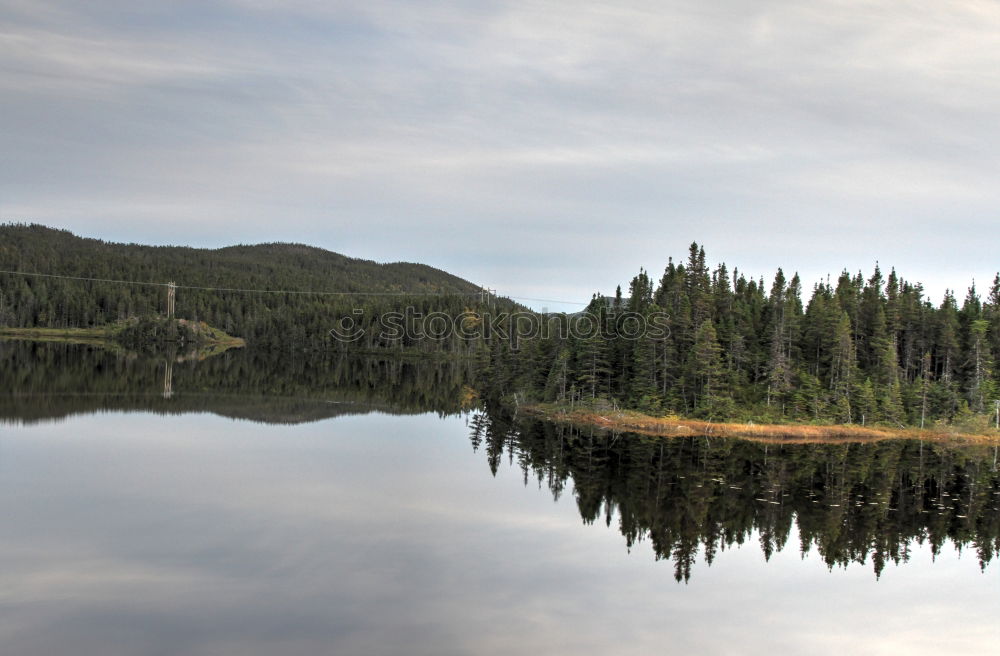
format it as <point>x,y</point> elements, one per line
<point>246,514</point>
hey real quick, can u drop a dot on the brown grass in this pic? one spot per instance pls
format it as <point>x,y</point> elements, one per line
<point>105,335</point>
<point>672,426</point>
<point>66,335</point>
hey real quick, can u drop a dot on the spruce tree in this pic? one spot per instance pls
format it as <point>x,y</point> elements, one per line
<point>707,370</point>
<point>980,388</point>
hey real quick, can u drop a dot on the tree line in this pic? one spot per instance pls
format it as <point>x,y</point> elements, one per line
<point>861,350</point>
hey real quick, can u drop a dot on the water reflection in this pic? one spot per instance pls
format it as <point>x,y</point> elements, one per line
<point>851,502</point>
<point>689,497</point>
<point>176,533</point>
<point>47,381</point>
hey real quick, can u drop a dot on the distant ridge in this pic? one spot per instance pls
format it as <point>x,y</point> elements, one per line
<point>38,248</point>
<point>274,295</point>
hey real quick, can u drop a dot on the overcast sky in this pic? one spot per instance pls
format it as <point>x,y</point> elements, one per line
<point>547,149</point>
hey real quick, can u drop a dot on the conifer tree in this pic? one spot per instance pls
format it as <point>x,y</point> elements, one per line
<point>981,388</point>
<point>706,369</point>
<point>865,404</point>
<point>991,312</point>
<point>892,405</point>
<point>644,393</point>
<point>843,368</point>
<point>558,378</point>
<point>947,354</point>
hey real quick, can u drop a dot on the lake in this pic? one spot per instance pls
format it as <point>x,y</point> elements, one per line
<point>254,503</point>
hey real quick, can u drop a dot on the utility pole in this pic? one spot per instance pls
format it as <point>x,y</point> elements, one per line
<point>171,295</point>
<point>487,296</point>
<point>168,379</point>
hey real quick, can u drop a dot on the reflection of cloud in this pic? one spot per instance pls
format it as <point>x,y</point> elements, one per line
<point>755,128</point>
<point>196,534</point>
<point>88,578</point>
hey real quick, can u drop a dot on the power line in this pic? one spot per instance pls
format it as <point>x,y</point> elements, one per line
<point>237,289</point>
<point>275,291</point>
<point>544,300</point>
<point>52,275</point>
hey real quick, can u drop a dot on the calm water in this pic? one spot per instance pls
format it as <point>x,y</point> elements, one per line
<point>265,505</point>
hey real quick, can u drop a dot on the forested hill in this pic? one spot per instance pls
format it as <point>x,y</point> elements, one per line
<point>271,266</point>
<point>289,318</point>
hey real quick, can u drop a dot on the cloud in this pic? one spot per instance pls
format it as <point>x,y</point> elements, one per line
<point>401,131</point>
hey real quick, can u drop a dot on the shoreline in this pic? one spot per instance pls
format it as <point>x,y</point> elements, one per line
<point>631,421</point>
<point>105,336</point>
<point>91,336</point>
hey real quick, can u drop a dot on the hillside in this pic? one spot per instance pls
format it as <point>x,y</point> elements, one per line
<point>291,319</point>
<point>271,266</point>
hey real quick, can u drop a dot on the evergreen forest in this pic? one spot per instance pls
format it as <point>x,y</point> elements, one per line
<point>859,350</point>
<point>714,343</point>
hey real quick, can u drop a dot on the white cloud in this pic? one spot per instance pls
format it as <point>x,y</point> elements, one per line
<point>409,131</point>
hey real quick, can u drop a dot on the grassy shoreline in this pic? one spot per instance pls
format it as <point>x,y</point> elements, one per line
<point>65,335</point>
<point>108,335</point>
<point>672,426</point>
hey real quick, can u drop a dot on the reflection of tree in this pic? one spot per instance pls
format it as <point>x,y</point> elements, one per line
<point>50,380</point>
<point>850,502</point>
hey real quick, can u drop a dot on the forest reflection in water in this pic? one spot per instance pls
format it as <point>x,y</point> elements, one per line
<point>691,498</point>
<point>860,502</point>
<point>47,381</point>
